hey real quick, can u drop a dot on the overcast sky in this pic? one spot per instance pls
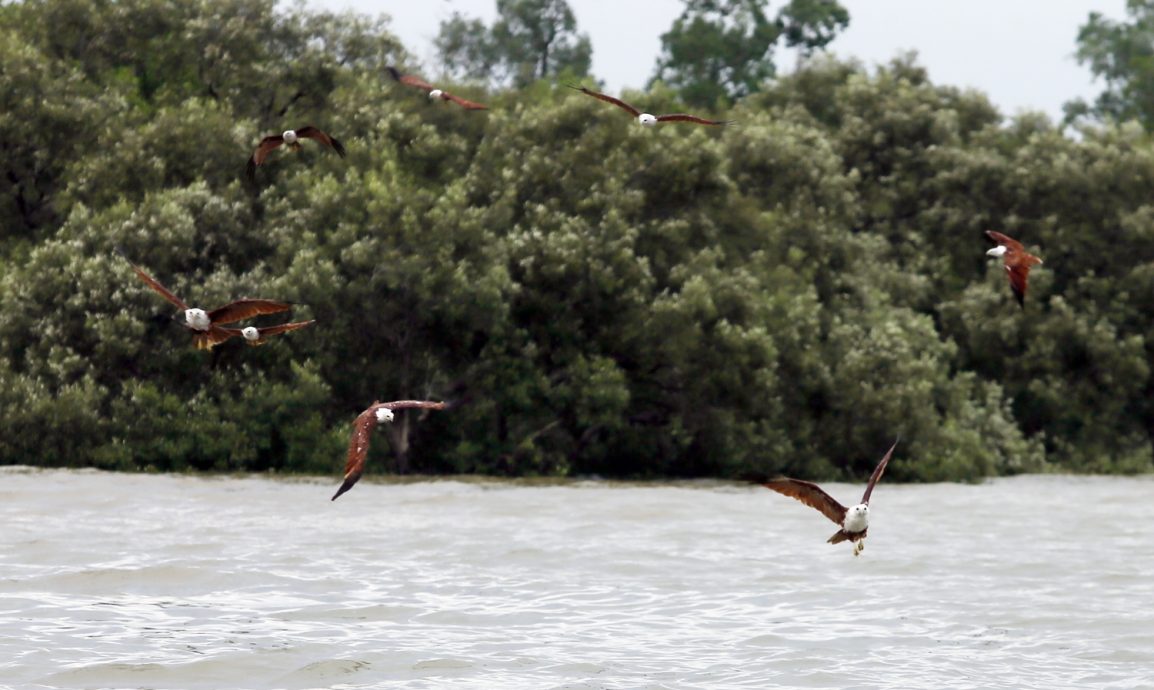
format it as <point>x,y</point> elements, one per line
<point>1019,52</point>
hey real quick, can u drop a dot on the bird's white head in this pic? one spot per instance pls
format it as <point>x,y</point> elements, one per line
<point>997,251</point>
<point>857,518</point>
<point>647,119</point>
<point>384,414</point>
<point>250,333</point>
<point>290,136</point>
<point>197,319</point>
<point>435,94</point>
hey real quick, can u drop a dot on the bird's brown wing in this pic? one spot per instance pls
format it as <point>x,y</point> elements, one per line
<point>464,103</point>
<point>267,331</point>
<point>608,99</point>
<point>877,474</point>
<point>1018,274</point>
<point>160,289</point>
<point>682,117</point>
<point>215,335</point>
<point>310,132</point>
<point>246,309</point>
<point>264,148</point>
<point>1010,243</point>
<point>399,404</point>
<point>810,494</point>
<point>358,449</point>
<point>283,328</point>
<point>409,80</point>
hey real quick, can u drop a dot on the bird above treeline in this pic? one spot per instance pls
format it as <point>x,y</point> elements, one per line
<point>290,138</point>
<point>854,522</point>
<point>433,92</point>
<point>645,118</point>
<point>1016,260</point>
<point>363,425</point>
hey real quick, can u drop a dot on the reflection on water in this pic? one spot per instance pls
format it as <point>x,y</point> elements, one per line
<point>110,580</point>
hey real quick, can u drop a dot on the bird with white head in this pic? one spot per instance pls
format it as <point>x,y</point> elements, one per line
<point>363,425</point>
<point>433,92</point>
<point>647,119</point>
<point>853,522</point>
<point>205,325</point>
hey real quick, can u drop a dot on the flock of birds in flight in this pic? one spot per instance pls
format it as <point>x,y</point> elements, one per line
<point>208,330</point>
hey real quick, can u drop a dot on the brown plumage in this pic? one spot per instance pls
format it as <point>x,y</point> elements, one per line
<point>274,141</point>
<point>363,427</point>
<point>1017,262</point>
<point>263,333</point>
<point>432,91</point>
<point>212,334</point>
<point>815,497</point>
<point>646,118</point>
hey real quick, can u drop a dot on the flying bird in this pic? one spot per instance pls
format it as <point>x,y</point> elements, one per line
<point>259,336</point>
<point>290,138</point>
<point>1016,261</point>
<point>434,92</point>
<point>206,331</point>
<point>854,522</point>
<point>363,425</point>
<point>645,118</point>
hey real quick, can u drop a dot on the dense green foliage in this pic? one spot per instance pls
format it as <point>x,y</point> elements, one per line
<point>719,51</point>
<point>531,40</point>
<point>1122,54</point>
<point>785,295</point>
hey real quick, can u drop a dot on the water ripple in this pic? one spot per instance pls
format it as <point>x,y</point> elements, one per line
<point>139,581</point>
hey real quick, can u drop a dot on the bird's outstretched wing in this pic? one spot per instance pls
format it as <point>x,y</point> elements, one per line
<point>810,494</point>
<point>358,449</point>
<point>363,431</point>
<point>265,147</point>
<point>877,473</point>
<point>1018,275</point>
<point>608,99</point>
<point>215,335</point>
<point>682,117</point>
<point>246,309</point>
<point>264,333</point>
<point>155,285</point>
<point>310,132</point>
<point>463,102</point>
<point>409,80</point>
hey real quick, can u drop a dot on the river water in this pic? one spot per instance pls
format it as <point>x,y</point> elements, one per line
<point>158,581</point>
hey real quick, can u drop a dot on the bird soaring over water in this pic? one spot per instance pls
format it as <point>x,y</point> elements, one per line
<point>363,425</point>
<point>290,138</point>
<point>433,92</point>
<point>854,522</point>
<point>1016,260</point>
<point>645,118</point>
<point>205,325</point>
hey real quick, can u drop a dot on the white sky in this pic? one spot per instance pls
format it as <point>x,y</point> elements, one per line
<point>1019,52</point>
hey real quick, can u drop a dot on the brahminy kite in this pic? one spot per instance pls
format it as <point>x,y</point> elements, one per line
<point>854,522</point>
<point>645,118</point>
<point>1016,260</point>
<point>363,425</point>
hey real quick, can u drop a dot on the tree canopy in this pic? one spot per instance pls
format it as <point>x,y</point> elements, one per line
<point>1122,54</point>
<point>722,50</point>
<point>531,40</point>
<point>591,296</point>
